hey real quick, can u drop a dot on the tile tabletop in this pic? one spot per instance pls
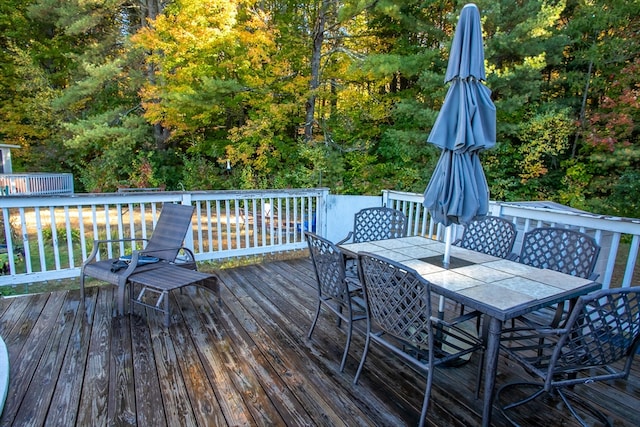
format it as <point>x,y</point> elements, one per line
<point>494,284</point>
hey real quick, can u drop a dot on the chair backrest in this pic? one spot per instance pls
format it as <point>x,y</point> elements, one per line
<point>568,251</point>
<point>398,299</point>
<point>378,224</point>
<point>170,231</point>
<point>604,327</point>
<point>329,265</point>
<point>491,235</point>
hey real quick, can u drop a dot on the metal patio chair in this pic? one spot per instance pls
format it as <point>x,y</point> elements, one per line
<point>336,291</point>
<point>161,249</point>
<point>491,235</point>
<point>377,223</point>
<point>567,251</point>
<point>369,224</point>
<point>602,329</point>
<point>400,320</point>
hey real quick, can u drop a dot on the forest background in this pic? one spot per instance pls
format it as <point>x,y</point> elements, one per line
<point>248,94</point>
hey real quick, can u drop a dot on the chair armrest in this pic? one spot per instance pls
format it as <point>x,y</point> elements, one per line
<point>346,239</point>
<point>475,314</point>
<point>540,331</point>
<point>97,243</point>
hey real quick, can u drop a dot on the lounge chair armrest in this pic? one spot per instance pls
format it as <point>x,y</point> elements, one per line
<point>134,239</point>
<point>97,243</point>
<point>189,252</point>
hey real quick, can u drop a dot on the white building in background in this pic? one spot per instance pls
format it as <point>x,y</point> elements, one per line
<point>5,157</point>
<point>28,184</point>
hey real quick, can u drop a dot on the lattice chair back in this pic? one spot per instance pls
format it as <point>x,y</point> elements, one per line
<point>379,224</point>
<point>568,251</point>
<point>328,262</point>
<point>491,235</point>
<point>398,299</point>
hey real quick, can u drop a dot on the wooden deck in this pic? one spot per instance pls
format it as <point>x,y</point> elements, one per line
<point>245,362</point>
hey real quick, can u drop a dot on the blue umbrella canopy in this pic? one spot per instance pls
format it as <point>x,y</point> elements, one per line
<point>466,124</point>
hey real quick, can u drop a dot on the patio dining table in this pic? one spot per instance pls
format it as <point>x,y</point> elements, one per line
<point>499,288</point>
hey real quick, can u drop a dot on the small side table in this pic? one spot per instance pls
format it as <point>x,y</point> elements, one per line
<point>160,281</point>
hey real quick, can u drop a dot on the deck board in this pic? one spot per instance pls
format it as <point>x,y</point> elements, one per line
<point>245,361</point>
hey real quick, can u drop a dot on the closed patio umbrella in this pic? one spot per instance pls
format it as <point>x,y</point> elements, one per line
<point>466,124</point>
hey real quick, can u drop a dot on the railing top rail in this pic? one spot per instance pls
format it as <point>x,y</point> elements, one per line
<point>40,174</point>
<point>86,199</point>
<point>585,219</point>
<point>545,213</point>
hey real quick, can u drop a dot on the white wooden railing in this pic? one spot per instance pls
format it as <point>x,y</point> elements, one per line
<point>47,238</point>
<point>618,237</point>
<point>30,184</point>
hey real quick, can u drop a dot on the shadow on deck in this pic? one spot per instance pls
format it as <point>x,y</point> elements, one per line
<point>247,362</point>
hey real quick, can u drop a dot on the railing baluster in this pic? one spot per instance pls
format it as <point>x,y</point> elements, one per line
<point>631,262</point>
<point>69,234</point>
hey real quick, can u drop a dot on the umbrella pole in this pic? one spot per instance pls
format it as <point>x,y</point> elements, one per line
<point>447,246</point>
<point>445,264</point>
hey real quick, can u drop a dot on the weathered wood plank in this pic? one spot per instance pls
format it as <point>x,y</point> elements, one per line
<point>95,388</point>
<point>212,398</point>
<point>235,337</point>
<point>149,410</point>
<point>63,409</point>
<point>19,319</point>
<point>175,398</point>
<point>337,403</point>
<point>23,369</point>
<point>214,349</point>
<point>122,395</point>
<point>34,409</point>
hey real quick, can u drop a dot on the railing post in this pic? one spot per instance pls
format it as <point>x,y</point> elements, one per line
<point>188,240</point>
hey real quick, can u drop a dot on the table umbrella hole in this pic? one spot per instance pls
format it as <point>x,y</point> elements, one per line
<point>453,261</point>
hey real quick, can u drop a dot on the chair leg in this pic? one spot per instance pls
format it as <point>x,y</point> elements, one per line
<point>121,297</point>
<point>480,372</point>
<point>315,320</point>
<point>564,395</point>
<point>346,346</point>
<point>81,288</point>
<point>425,401</point>
<point>504,390</point>
<point>364,355</point>
<point>598,414</point>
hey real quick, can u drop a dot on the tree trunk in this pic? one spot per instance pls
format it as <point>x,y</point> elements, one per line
<point>318,40</point>
<point>150,10</point>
